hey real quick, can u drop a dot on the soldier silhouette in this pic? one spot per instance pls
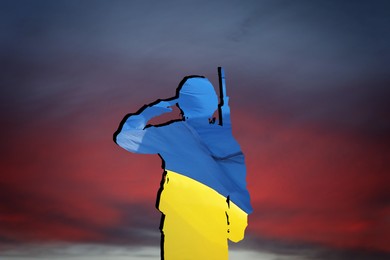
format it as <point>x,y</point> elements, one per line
<point>203,196</point>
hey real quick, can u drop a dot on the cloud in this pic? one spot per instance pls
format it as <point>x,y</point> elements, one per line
<point>312,184</point>
<point>82,251</point>
<point>96,251</point>
<point>68,251</point>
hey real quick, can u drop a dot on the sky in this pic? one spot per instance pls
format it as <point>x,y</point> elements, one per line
<point>308,83</point>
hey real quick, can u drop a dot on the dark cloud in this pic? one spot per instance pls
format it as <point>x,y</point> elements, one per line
<point>310,61</point>
<point>306,251</point>
<point>31,216</point>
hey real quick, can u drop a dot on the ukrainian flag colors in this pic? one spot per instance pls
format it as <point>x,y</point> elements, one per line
<point>203,196</point>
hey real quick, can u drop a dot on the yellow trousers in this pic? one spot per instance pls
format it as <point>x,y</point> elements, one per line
<point>196,220</point>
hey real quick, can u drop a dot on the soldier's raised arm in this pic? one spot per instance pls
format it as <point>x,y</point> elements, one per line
<point>134,136</point>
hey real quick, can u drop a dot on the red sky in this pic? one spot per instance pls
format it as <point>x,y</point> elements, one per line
<point>308,184</point>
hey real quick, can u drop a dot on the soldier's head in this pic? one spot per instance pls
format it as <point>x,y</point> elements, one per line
<point>197,98</point>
